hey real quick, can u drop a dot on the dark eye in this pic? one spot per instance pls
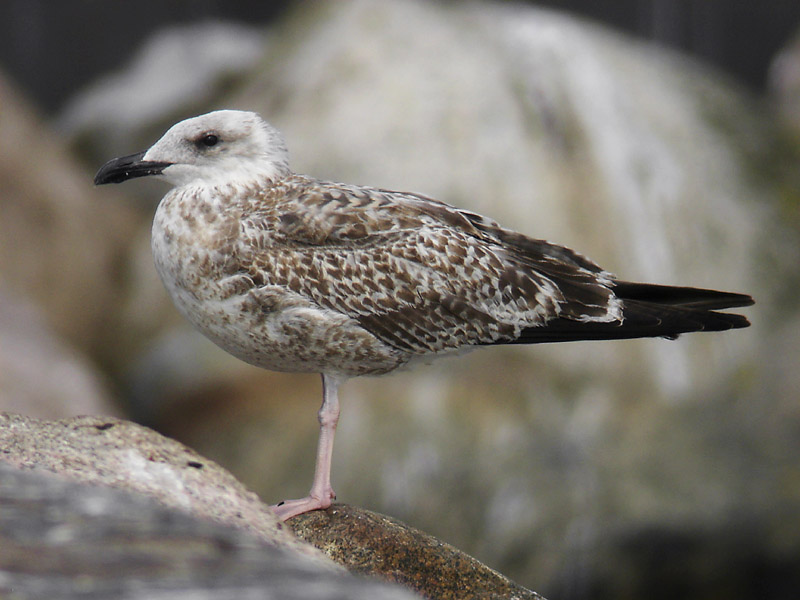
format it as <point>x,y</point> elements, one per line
<point>209,140</point>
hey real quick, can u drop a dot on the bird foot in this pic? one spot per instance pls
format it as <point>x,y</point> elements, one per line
<point>291,508</point>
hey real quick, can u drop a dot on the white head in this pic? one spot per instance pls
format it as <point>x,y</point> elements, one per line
<point>219,146</point>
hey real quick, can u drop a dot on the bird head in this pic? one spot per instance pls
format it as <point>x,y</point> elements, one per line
<point>224,145</point>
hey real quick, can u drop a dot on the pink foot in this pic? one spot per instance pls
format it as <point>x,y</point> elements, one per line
<point>291,508</point>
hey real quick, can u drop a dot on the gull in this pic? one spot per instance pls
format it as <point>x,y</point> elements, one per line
<point>291,273</point>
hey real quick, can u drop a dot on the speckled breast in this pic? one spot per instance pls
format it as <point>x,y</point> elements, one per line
<point>199,254</point>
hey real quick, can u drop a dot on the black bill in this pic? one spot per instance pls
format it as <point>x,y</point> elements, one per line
<point>121,169</point>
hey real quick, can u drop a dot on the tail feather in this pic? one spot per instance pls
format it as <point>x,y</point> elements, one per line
<point>688,297</point>
<point>649,311</point>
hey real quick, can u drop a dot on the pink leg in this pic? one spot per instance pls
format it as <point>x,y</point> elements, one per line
<point>321,493</point>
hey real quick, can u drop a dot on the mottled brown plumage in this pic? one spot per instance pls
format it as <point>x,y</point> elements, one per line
<point>295,274</point>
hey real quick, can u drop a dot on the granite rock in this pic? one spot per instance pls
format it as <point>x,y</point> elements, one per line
<point>123,455</point>
<point>368,543</point>
<point>60,538</point>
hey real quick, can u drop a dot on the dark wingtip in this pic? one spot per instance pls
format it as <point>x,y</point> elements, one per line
<point>733,320</point>
<point>688,297</point>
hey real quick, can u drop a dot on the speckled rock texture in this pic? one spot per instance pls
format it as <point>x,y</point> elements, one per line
<point>371,544</point>
<point>96,507</point>
<point>68,540</point>
<point>121,454</point>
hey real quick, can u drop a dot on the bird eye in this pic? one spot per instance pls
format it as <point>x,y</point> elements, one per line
<point>209,140</point>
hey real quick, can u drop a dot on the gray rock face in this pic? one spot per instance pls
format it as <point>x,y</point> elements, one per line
<point>67,540</point>
<point>96,508</point>
<point>121,454</point>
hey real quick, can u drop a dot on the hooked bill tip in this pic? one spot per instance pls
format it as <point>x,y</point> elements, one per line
<point>123,168</point>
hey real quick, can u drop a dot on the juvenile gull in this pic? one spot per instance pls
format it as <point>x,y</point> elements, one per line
<point>290,273</point>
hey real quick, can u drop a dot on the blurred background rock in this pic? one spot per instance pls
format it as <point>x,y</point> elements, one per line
<point>602,470</point>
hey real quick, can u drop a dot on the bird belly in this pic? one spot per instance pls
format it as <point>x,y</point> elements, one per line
<point>276,329</point>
